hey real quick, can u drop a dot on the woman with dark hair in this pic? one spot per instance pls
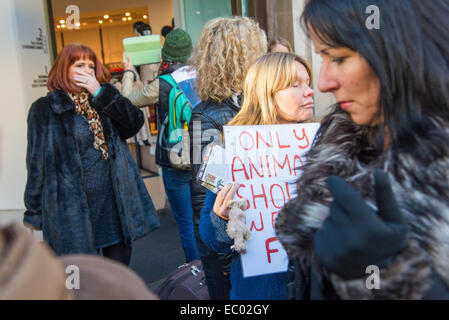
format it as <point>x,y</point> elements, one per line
<point>371,218</point>
<point>84,190</point>
<point>142,28</point>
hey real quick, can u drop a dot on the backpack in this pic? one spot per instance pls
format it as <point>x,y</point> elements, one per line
<point>177,143</point>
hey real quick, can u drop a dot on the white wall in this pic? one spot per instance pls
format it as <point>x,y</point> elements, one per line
<point>303,47</point>
<point>22,22</point>
<point>14,112</point>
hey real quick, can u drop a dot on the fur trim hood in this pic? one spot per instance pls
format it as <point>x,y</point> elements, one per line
<point>419,174</point>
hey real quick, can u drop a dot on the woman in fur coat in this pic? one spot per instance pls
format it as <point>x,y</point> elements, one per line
<point>371,220</point>
<point>84,190</point>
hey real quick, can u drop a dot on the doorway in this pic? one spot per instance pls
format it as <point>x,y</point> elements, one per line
<point>103,24</point>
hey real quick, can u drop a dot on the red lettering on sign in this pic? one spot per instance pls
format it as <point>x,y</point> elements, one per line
<point>286,161</point>
<point>262,195</point>
<point>272,198</point>
<point>297,167</point>
<point>238,170</point>
<point>251,165</point>
<point>279,143</point>
<point>267,247</point>
<point>259,137</point>
<point>303,137</point>
<point>268,167</point>
<point>252,140</point>
<point>253,224</point>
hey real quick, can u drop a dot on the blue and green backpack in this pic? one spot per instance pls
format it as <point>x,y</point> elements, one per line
<point>180,111</point>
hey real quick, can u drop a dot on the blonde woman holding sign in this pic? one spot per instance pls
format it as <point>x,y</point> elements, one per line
<point>277,91</point>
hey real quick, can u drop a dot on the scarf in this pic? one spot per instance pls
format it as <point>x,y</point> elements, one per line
<point>82,107</point>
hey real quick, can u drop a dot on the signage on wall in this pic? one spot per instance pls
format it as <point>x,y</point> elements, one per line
<point>34,57</point>
<point>39,43</point>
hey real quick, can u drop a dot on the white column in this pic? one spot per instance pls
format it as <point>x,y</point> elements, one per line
<point>179,15</point>
<point>24,68</point>
<point>303,46</point>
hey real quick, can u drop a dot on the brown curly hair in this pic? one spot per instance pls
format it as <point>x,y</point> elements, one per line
<point>223,54</point>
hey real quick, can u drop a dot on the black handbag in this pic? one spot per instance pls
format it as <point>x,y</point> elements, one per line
<point>187,282</point>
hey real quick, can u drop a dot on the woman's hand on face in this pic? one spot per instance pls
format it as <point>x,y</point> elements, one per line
<point>223,197</point>
<point>87,81</point>
<point>127,63</point>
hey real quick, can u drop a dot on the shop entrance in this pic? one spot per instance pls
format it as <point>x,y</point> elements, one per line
<point>103,24</point>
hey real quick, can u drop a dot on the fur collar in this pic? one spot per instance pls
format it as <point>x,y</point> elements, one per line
<point>60,101</point>
<point>418,171</point>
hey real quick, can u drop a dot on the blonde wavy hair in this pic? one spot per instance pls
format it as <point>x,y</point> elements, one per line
<point>269,74</point>
<point>223,54</point>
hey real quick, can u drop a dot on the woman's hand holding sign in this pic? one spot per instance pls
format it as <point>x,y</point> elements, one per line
<point>224,196</point>
<point>233,212</point>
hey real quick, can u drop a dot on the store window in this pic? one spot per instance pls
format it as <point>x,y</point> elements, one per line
<point>103,24</point>
<point>198,12</point>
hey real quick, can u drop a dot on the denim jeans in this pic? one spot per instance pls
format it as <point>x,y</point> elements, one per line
<point>177,187</point>
<point>216,268</point>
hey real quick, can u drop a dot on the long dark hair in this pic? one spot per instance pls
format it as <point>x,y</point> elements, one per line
<point>409,53</point>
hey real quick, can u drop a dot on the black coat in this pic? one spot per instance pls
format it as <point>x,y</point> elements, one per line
<point>55,199</point>
<point>206,126</point>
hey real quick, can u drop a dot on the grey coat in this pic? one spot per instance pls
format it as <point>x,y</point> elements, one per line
<point>55,199</point>
<point>418,172</point>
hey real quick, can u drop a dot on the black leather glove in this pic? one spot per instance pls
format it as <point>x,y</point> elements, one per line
<point>354,236</point>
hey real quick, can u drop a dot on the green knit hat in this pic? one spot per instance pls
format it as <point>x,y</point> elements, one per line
<point>177,46</point>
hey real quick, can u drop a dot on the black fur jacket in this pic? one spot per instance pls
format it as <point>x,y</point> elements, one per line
<point>55,197</point>
<point>419,174</point>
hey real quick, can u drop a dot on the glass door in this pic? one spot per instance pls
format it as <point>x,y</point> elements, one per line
<point>198,12</point>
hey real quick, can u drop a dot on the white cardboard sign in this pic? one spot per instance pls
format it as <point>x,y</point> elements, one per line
<point>265,161</point>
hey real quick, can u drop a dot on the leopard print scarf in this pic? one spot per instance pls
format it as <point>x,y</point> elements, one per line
<point>82,107</point>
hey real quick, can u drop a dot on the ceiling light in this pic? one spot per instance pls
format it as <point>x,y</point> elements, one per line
<point>127,14</point>
<point>129,18</point>
<point>106,16</point>
<point>145,16</point>
<point>58,26</point>
<point>62,21</point>
<point>124,18</point>
<point>63,26</point>
<point>100,21</point>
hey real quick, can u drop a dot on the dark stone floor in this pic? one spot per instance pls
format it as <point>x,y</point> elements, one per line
<point>159,253</point>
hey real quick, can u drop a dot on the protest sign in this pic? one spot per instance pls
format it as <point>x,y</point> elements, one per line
<point>265,160</point>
